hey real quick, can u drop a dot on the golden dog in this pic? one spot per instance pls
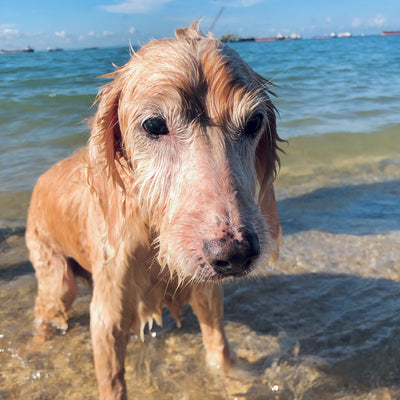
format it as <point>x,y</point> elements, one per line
<point>172,195</point>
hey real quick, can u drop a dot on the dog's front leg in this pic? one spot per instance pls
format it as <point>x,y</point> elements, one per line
<point>109,325</point>
<point>207,303</point>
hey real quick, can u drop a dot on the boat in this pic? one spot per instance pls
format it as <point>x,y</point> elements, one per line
<point>229,38</point>
<point>268,39</point>
<point>390,33</point>
<point>279,36</point>
<point>54,49</point>
<point>246,39</point>
<point>28,49</point>
<point>344,35</point>
<point>323,37</point>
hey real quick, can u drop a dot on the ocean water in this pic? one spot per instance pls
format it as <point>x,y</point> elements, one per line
<point>323,86</point>
<point>324,325</point>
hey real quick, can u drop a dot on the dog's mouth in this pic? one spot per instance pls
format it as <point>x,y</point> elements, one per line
<point>230,270</point>
<point>222,270</point>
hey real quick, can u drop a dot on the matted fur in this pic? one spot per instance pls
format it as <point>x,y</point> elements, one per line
<point>136,211</point>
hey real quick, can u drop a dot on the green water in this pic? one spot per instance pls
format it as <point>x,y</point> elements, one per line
<point>341,155</point>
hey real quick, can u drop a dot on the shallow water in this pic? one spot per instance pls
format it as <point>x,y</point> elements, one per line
<point>324,325</point>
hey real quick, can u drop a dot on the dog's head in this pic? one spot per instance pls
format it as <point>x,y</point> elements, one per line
<point>186,131</point>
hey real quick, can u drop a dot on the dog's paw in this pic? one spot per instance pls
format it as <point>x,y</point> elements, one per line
<point>45,330</point>
<point>222,360</point>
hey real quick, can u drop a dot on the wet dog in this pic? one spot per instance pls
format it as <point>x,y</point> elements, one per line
<point>172,195</point>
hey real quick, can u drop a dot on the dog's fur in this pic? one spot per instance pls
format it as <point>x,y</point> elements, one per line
<point>155,219</point>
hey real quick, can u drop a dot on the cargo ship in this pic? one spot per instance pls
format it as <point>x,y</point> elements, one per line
<point>268,39</point>
<point>27,50</point>
<point>390,33</point>
<point>236,38</point>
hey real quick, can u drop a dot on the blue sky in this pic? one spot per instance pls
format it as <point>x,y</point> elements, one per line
<point>86,23</point>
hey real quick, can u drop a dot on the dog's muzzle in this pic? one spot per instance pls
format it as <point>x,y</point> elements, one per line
<point>231,257</point>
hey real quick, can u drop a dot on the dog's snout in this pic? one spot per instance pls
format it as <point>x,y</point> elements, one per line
<point>232,257</point>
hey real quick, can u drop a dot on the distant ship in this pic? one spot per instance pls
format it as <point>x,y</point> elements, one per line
<point>236,38</point>
<point>279,36</point>
<point>27,50</point>
<point>389,33</point>
<point>322,37</point>
<point>269,39</point>
<point>344,35</point>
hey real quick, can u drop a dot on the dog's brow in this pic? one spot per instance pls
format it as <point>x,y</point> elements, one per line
<point>193,103</point>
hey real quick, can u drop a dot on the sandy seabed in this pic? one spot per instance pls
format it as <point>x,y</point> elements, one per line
<point>325,323</point>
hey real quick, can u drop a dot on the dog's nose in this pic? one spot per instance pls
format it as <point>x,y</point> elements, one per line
<point>232,257</point>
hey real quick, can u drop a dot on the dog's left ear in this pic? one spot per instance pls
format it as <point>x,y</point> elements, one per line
<point>267,163</point>
<point>103,153</point>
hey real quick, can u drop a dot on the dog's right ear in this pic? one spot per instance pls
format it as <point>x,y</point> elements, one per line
<point>105,138</point>
<point>267,162</point>
<point>103,152</point>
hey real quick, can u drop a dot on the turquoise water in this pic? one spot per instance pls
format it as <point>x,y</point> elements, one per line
<point>44,98</point>
<point>343,85</point>
<point>324,86</point>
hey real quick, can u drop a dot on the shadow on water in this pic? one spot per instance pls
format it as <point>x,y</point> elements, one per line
<point>13,270</point>
<point>352,209</point>
<point>343,328</point>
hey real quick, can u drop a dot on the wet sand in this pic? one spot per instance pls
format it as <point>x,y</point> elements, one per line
<point>325,324</point>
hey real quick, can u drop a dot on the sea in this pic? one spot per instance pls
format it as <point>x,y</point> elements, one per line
<point>325,324</point>
<point>323,86</point>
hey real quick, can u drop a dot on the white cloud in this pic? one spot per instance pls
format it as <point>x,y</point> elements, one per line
<point>108,33</point>
<point>132,30</point>
<point>328,20</point>
<point>61,34</point>
<point>6,26</point>
<point>378,21</point>
<point>135,6</point>
<point>7,31</point>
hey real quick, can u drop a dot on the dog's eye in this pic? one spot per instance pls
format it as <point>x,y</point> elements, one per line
<point>253,125</point>
<point>156,126</point>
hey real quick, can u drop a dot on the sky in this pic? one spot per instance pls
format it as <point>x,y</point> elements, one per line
<point>66,24</point>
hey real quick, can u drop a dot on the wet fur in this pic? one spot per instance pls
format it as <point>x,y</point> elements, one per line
<point>130,212</point>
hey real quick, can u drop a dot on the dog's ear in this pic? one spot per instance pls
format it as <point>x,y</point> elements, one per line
<point>103,156</point>
<point>267,163</point>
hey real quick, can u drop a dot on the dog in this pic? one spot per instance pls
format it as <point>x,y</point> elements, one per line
<point>172,196</point>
